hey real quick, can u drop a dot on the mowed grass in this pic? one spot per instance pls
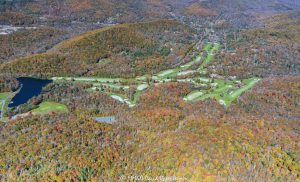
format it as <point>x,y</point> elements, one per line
<point>176,71</point>
<point>47,107</point>
<point>211,55</point>
<point>4,95</point>
<point>227,92</point>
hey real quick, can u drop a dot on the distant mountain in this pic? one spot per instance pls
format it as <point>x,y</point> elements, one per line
<point>254,5</point>
<point>21,12</point>
<point>245,13</point>
<point>109,11</point>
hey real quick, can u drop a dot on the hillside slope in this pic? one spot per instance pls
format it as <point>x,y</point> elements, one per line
<point>25,42</point>
<point>121,50</point>
<point>263,51</point>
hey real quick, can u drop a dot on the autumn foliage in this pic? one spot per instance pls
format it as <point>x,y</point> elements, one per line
<point>196,141</point>
<point>122,50</point>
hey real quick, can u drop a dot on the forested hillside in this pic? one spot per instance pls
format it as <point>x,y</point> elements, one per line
<point>121,50</point>
<point>269,50</point>
<point>28,42</point>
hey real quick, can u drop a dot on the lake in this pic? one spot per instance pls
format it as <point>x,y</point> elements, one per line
<point>30,87</point>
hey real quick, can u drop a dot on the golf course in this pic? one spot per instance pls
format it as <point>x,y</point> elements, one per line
<point>225,91</point>
<point>128,90</point>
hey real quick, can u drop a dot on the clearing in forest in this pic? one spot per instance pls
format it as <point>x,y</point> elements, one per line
<point>48,107</point>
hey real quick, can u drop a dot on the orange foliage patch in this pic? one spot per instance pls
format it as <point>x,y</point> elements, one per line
<point>82,5</point>
<point>198,10</point>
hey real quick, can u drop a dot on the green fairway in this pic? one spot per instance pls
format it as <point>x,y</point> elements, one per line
<point>4,96</point>
<point>90,79</point>
<point>113,86</point>
<point>249,84</point>
<point>122,99</point>
<point>225,92</point>
<point>47,107</point>
<point>207,47</point>
<point>142,87</point>
<point>183,69</point>
<point>210,56</point>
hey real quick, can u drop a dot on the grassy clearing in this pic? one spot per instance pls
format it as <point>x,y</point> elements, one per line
<point>47,107</point>
<point>4,96</point>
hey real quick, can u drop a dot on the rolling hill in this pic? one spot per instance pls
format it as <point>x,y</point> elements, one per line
<point>121,50</point>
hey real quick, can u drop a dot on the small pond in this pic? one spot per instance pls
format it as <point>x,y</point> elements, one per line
<point>30,87</point>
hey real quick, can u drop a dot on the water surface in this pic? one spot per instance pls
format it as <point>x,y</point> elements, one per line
<point>30,87</point>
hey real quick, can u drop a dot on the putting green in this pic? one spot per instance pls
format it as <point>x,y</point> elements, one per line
<point>47,107</point>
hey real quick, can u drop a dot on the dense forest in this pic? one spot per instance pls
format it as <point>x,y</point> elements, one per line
<point>219,143</point>
<point>8,83</point>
